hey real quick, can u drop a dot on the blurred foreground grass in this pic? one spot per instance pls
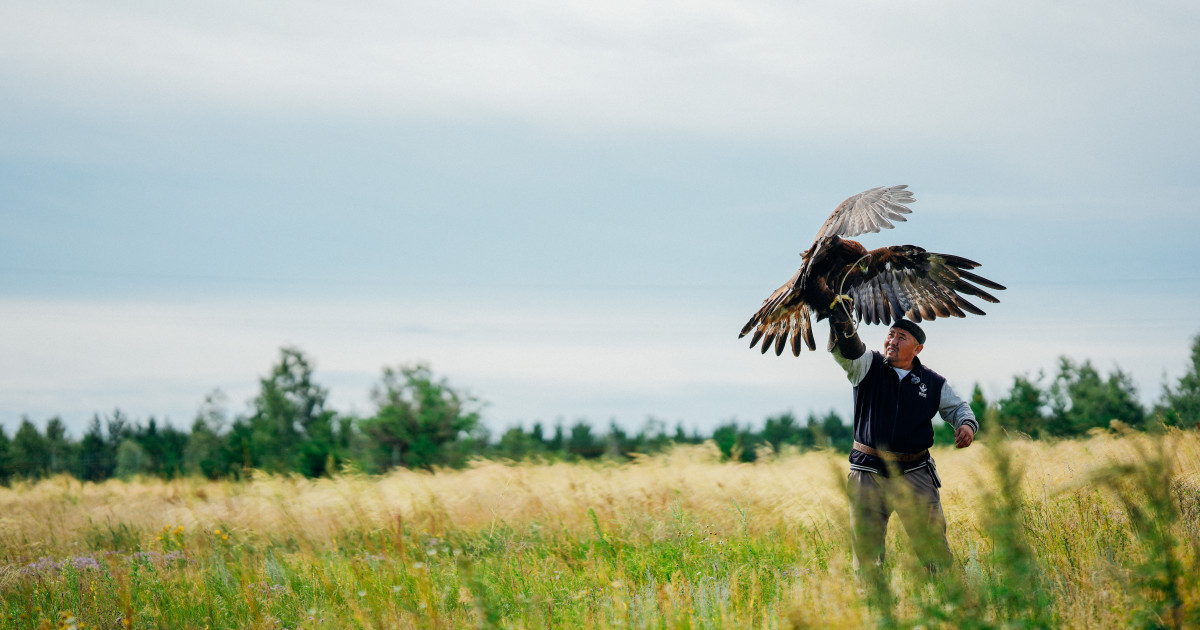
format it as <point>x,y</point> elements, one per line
<point>1097,533</point>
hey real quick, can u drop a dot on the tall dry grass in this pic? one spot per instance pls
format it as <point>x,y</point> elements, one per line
<point>1043,533</point>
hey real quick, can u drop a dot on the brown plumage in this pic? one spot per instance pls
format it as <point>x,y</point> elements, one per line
<point>885,284</point>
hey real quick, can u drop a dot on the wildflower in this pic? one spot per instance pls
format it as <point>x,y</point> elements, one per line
<point>85,562</point>
<point>45,564</point>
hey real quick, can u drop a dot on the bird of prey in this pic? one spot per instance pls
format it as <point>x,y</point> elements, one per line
<point>882,284</point>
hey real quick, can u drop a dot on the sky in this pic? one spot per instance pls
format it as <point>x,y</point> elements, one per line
<point>568,209</point>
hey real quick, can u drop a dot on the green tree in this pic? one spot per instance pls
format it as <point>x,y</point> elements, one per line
<point>28,452</point>
<point>290,428</point>
<point>418,419</point>
<point>516,444</point>
<point>735,442</point>
<point>1080,399</point>
<point>558,443</point>
<point>681,436</point>
<point>240,447</point>
<point>60,452</point>
<point>1180,405</point>
<point>784,429</point>
<point>830,431</point>
<point>94,460</point>
<point>652,438</point>
<point>1121,399</point>
<point>205,452</point>
<point>617,443</point>
<point>582,442</point>
<point>131,459</point>
<point>163,447</point>
<point>1023,409</point>
<point>978,402</point>
<point>5,465</point>
<point>119,429</point>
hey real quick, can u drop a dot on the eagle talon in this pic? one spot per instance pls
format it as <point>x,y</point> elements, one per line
<point>841,298</point>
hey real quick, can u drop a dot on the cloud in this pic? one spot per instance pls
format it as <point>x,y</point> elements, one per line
<point>998,72</point>
<point>570,207</point>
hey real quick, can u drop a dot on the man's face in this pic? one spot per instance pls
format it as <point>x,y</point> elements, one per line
<point>900,347</point>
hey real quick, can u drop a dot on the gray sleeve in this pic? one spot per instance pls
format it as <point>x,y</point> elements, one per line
<point>856,369</point>
<point>955,411</point>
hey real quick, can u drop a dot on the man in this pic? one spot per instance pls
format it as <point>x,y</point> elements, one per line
<point>895,398</point>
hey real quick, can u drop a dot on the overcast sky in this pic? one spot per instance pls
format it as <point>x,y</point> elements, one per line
<point>569,209</point>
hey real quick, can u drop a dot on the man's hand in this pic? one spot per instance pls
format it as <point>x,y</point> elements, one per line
<point>964,436</point>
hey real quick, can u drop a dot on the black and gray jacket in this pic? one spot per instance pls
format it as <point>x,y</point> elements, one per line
<point>895,414</point>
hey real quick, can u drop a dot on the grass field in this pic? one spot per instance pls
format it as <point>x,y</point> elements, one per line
<point>1101,533</point>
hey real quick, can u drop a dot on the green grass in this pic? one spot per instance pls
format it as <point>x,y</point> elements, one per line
<point>653,545</point>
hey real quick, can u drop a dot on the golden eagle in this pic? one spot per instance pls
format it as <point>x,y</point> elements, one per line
<point>884,284</point>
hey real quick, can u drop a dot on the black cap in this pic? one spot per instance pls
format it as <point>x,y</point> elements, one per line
<point>912,328</point>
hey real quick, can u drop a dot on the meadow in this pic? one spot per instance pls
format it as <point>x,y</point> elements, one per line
<point>1102,532</point>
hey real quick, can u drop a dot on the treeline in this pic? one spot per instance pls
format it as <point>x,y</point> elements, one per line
<point>423,422</point>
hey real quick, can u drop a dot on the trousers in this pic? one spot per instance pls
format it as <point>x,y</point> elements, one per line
<point>915,497</point>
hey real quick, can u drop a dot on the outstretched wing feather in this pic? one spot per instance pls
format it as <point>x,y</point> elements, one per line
<point>868,211</point>
<point>905,280</point>
<point>967,275</point>
<point>783,315</point>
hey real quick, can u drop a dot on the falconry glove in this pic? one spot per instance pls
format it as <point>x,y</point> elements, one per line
<point>843,335</point>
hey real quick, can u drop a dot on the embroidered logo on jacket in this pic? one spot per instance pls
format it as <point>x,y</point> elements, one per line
<point>922,390</point>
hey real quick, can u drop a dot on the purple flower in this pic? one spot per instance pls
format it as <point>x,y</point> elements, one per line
<point>145,556</point>
<point>45,564</point>
<point>155,557</point>
<point>85,562</point>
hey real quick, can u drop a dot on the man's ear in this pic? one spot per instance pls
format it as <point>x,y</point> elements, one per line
<point>917,350</point>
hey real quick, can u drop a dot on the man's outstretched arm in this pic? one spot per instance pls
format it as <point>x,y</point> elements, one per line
<point>848,350</point>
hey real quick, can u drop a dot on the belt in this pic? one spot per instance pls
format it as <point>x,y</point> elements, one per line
<point>888,455</point>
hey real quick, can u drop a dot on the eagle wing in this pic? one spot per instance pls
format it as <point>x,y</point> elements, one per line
<point>906,280</point>
<point>868,211</point>
<point>783,315</point>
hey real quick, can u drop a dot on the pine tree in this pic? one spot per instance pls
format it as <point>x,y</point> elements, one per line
<point>1180,406</point>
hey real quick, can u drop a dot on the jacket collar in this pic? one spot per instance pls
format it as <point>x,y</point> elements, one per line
<point>915,368</point>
